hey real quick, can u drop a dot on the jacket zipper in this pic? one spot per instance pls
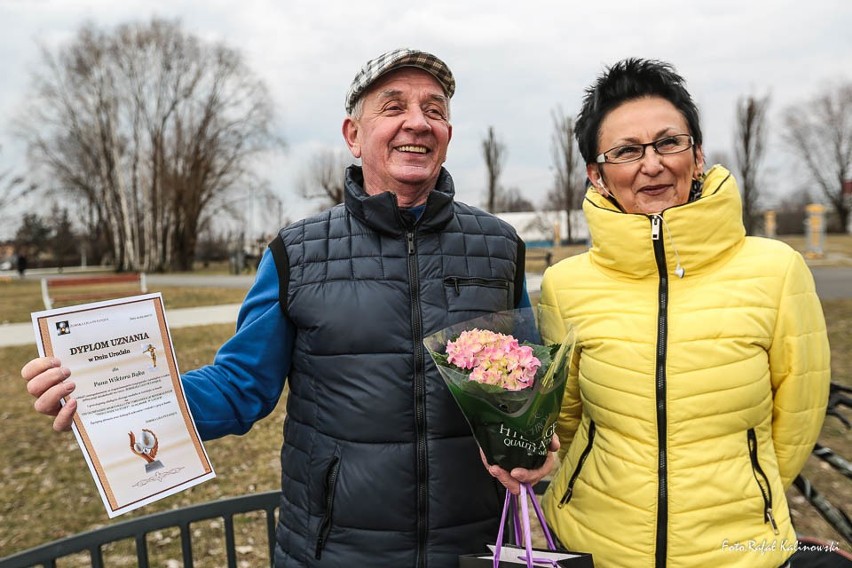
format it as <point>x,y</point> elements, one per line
<point>325,523</point>
<point>457,282</point>
<point>660,380</point>
<point>569,492</point>
<point>419,400</point>
<point>765,488</point>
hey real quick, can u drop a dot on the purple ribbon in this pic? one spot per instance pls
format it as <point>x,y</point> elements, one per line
<point>523,520</point>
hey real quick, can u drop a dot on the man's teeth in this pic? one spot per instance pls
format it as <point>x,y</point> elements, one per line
<point>417,149</point>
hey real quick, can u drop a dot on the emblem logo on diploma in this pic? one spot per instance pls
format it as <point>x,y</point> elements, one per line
<point>146,448</point>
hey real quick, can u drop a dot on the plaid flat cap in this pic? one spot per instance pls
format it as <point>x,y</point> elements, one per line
<point>395,59</point>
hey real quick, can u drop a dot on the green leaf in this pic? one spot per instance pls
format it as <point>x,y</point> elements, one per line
<point>441,359</point>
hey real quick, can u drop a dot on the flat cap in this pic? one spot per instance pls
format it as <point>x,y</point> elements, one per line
<point>395,59</point>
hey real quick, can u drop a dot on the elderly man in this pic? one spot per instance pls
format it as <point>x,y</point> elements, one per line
<point>379,467</point>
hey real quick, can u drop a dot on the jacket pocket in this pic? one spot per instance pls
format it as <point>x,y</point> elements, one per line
<point>762,481</point>
<point>465,293</point>
<point>326,521</point>
<point>569,491</point>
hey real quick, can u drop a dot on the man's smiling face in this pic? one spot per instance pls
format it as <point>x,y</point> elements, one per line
<point>401,135</point>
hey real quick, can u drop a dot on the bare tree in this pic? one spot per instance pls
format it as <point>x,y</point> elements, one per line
<point>152,127</point>
<point>819,133</point>
<point>13,188</point>
<point>33,234</point>
<point>511,200</point>
<point>494,152</point>
<point>749,147</point>
<point>569,172</point>
<point>322,179</point>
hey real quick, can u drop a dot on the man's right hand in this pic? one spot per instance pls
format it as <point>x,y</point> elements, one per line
<point>45,378</point>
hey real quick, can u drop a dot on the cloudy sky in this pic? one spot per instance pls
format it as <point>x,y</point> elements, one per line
<point>514,62</point>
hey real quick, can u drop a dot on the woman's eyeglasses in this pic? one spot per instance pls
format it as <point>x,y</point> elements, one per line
<point>633,152</point>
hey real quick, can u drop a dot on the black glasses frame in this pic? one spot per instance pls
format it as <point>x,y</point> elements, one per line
<point>602,158</point>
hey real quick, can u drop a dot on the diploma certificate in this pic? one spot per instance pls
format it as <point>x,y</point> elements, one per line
<point>132,421</point>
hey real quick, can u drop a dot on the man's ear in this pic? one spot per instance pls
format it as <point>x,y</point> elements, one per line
<point>350,135</point>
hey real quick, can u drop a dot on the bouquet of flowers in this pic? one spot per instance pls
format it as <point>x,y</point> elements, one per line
<point>507,381</point>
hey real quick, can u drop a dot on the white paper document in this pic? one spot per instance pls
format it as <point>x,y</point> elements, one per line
<point>132,422</point>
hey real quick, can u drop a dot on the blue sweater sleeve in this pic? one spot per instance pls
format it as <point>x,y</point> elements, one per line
<point>247,376</point>
<point>525,298</point>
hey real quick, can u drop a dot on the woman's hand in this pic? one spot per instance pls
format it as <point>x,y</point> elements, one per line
<point>512,480</point>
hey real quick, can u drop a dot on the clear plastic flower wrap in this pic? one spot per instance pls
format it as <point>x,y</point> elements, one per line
<point>507,381</point>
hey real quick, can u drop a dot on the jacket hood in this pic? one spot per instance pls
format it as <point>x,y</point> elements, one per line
<point>381,211</point>
<point>697,235</point>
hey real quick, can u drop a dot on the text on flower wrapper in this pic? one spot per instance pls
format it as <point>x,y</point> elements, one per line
<point>107,343</point>
<point>534,447</point>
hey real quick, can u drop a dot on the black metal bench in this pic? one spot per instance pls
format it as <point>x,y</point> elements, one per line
<point>137,530</point>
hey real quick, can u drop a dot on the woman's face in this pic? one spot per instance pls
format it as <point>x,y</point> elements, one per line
<point>655,182</point>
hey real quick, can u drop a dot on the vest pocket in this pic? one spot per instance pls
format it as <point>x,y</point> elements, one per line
<point>466,293</point>
<point>762,481</point>
<point>569,491</point>
<point>325,522</point>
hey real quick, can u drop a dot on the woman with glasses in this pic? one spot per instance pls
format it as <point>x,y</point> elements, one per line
<point>700,377</point>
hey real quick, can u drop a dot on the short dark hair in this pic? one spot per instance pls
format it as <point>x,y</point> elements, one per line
<point>627,80</point>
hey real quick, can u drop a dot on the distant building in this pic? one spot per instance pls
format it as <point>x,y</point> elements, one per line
<point>547,228</point>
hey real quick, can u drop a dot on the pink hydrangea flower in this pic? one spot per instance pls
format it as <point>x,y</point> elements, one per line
<point>494,359</point>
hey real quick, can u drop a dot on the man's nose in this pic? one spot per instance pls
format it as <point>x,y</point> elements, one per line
<point>415,119</point>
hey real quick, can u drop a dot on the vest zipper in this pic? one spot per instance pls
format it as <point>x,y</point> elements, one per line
<point>569,492</point>
<point>419,400</point>
<point>660,387</point>
<point>765,492</point>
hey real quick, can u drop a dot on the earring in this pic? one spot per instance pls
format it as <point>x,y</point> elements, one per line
<point>697,186</point>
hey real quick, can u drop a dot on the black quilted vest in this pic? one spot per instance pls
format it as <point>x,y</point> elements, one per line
<point>378,465</point>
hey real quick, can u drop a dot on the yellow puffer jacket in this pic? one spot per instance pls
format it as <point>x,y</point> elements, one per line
<point>693,401</point>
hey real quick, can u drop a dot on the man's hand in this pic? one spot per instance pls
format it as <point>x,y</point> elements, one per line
<point>512,480</point>
<point>46,382</point>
